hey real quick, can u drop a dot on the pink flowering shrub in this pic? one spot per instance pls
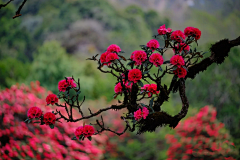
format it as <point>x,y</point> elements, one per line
<point>49,118</point>
<point>201,137</point>
<point>19,140</point>
<point>111,57</point>
<point>180,72</point>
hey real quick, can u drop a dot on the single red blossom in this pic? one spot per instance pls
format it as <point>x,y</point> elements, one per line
<point>156,59</point>
<point>153,44</point>
<point>111,57</point>
<point>180,72</point>
<point>113,48</point>
<point>182,47</point>
<point>34,112</point>
<point>134,75</point>
<point>177,60</point>
<point>145,112</point>
<point>138,115</point>
<point>194,32</point>
<point>103,58</point>
<point>52,99</point>
<point>88,130</point>
<point>78,132</point>
<point>176,36</point>
<point>49,118</point>
<point>63,84</point>
<point>139,56</point>
<point>162,30</point>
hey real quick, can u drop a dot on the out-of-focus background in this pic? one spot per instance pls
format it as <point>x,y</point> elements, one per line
<point>52,39</point>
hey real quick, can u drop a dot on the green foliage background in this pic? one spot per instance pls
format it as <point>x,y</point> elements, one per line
<point>52,40</point>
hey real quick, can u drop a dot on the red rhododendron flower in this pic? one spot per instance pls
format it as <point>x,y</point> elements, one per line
<point>118,88</point>
<point>34,112</point>
<point>194,32</point>
<point>88,130</point>
<point>52,99</point>
<point>182,47</point>
<point>78,132</point>
<point>153,44</point>
<point>138,115</point>
<point>103,58</point>
<point>156,59</point>
<point>139,57</point>
<point>111,57</point>
<point>145,112</point>
<point>134,75</point>
<point>113,48</point>
<point>177,60</point>
<point>151,88</point>
<point>180,72</point>
<point>49,118</point>
<point>162,30</point>
<point>63,84</point>
<point>176,36</point>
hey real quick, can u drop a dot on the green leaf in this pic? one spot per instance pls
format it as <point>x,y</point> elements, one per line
<point>151,102</point>
<point>129,83</point>
<point>52,111</point>
<point>89,138</point>
<point>30,120</point>
<point>174,68</point>
<point>51,126</point>
<point>121,52</point>
<point>36,122</point>
<point>166,62</point>
<point>26,120</point>
<point>129,63</point>
<point>74,138</point>
<point>140,83</point>
<point>185,68</point>
<point>81,137</point>
<point>160,68</point>
<point>145,72</point>
<point>143,105</point>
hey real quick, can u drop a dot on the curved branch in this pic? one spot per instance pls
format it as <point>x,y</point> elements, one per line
<point>4,5</point>
<point>19,10</point>
<point>219,51</point>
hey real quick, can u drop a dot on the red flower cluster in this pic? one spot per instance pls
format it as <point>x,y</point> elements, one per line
<point>107,57</point>
<point>49,118</point>
<point>34,112</point>
<point>162,30</point>
<point>113,48</point>
<point>111,57</point>
<point>134,75</point>
<point>180,72</point>
<point>177,60</point>
<point>63,84</point>
<point>141,113</point>
<point>194,32</point>
<point>153,44</point>
<point>151,89</point>
<point>118,88</point>
<point>52,99</point>
<point>86,131</point>
<point>201,137</point>
<point>182,47</point>
<point>176,36</point>
<point>156,59</point>
<point>138,56</point>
